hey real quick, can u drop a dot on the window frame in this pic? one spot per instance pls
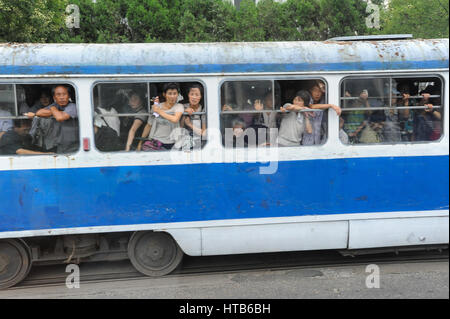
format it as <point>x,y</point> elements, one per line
<point>391,76</point>
<point>255,78</point>
<point>148,83</point>
<point>45,81</point>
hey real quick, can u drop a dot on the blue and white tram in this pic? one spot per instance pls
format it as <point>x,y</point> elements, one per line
<point>152,207</point>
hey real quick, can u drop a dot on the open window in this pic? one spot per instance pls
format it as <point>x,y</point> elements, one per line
<point>38,119</point>
<point>126,119</point>
<point>255,113</point>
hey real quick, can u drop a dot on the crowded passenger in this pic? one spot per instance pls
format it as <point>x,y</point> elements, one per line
<point>427,122</point>
<point>319,122</point>
<point>166,117</point>
<point>406,116</point>
<point>391,126</point>
<point>364,126</point>
<point>17,140</point>
<point>45,99</point>
<point>65,114</point>
<point>5,123</point>
<point>342,134</point>
<point>106,126</point>
<point>131,126</point>
<point>27,96</point>
<point>355,121</point>
<point>195,124</point>
<point>237,136</point>
<point>295,123</point>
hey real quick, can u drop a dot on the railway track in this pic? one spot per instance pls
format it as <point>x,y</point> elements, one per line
<point>42,276</point>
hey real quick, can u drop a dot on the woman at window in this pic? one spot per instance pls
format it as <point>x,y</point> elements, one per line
<point>166,117</point>
<point>131,125</point>
<point>194,123</point>
<point>294,123</point>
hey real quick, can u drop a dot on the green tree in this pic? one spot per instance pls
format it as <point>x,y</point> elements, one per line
<point>422,18</point>
<point>303,17</point>
<point>249,27</point>
<point>154,20</point>
<point>342,18</point>
<point>207,21</point>
<point>30,20</point>
<point>100,22</point>
<point>275,22</point>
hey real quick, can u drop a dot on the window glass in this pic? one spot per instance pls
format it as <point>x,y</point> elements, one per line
<point>390,110</point>
<point>149,116</point>
<point>7,107</point>
<point>273,112</point>
<point>38,119</point>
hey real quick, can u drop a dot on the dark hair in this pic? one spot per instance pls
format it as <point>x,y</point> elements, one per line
<point>21,122</point>
<point>196,86</point>
<point>304,95</point>
<point>46,92</point>
<point>60,85</point>
<point>171,86</point>
<point>316,84</point>
<point>134,93</point>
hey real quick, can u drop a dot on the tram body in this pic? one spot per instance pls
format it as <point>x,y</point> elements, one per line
<point>215,200</point>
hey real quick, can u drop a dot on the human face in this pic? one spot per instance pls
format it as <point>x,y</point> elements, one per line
<point>268,102</point>
<point>194,96</point>
<point>316,93</point>
<point>171,96</point>
<point>44,99</point>
<point>298,101</point>
<point>135,101</point>
<point>23,130</point>
<point>61,96</point>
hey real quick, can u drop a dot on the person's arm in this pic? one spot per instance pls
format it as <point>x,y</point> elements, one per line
<point>132,133</point>
<point>23,151</point>
<point>336,108</point>
<point>308,125</point>
<point>433,112</point>
<point>60,116</point>
<point>356,132</point>
<point>198,131</point>
<point>145,134</point>
<point>44,113</point>
<point>172,118</point>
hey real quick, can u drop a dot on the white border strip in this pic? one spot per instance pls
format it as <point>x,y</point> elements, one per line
<point>223,223</point>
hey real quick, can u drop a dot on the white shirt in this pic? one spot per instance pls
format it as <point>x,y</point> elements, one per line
<point>113,121</point>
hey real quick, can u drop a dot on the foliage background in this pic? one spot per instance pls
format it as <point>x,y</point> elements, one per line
<point>109,21</point>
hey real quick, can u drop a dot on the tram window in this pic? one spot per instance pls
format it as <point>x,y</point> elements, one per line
<point>390,110</point>
<point>32,126</point>
<point>256,113</point>
<point>155,116</point>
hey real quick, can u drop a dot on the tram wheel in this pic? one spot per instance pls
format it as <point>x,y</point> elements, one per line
<point>15,262</point>
<point>154,253</point>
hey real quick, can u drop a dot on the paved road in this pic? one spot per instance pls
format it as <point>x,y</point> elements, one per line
<point>409,280</point>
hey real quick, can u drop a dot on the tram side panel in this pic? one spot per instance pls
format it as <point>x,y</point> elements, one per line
<point>36,200</point>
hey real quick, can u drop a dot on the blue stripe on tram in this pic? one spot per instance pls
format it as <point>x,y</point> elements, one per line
<point>220,68</point>
<point>101,196</point>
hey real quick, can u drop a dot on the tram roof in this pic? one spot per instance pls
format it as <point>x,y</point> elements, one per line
<point>235,57</point>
